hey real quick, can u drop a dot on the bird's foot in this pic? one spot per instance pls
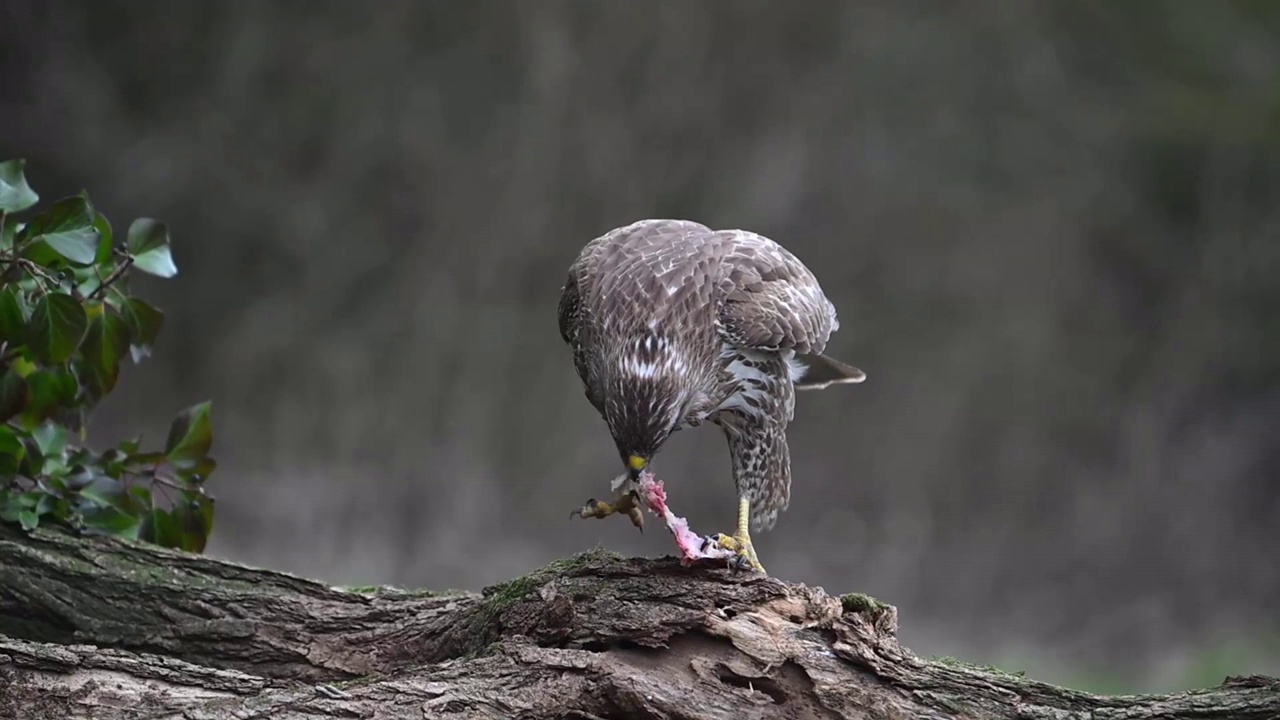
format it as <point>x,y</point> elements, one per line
<point>744,553</point>
<point>627,503</point>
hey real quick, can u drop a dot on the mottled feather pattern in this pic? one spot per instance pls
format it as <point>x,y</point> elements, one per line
<point>672,323</point>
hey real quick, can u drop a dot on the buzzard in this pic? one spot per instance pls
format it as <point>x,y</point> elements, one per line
<point>672,324</point>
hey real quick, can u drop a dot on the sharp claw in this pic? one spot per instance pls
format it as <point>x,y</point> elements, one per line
<point>587,510</point>
<point>637,517</point>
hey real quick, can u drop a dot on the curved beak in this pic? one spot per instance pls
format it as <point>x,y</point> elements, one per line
<point>636,465</point>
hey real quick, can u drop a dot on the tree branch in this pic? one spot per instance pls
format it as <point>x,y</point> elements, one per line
<point>109,629</point>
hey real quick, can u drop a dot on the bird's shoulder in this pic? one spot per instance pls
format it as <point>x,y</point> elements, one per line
<point>772,300</point>
<point>761,294</point>
<point>648,266</point>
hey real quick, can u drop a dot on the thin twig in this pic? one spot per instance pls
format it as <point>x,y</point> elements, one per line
<point>114,276</point>
<point>37,271</point>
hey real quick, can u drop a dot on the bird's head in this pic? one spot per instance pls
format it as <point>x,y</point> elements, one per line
<point>642,412</point>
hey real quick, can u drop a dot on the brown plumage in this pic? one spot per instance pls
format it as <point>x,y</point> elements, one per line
<point>672,323</point>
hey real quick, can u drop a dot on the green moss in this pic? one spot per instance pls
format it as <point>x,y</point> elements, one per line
<point>990,669</point>
<point>507,593</point>
<point>501,596</point>
<point>361,589</point>
<point>480,651</point>
<point>858,602</point>
<point>389,591</point>
<point>357,682</point>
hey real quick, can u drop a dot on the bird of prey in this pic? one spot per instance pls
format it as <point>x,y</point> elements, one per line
<point>671,324</point>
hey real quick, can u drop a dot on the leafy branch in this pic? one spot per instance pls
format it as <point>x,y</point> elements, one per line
<point>67,320</point>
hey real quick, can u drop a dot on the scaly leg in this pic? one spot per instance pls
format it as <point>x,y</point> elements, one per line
<point>740,543</point>
<point>627,502</point>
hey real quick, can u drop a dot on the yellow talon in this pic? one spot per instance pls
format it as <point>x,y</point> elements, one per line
<point>740,543</point>
<point>626,503</point>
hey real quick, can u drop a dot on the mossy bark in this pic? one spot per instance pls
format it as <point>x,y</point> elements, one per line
<point>105,629</point>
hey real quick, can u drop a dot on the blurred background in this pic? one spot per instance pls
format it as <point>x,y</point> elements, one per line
<point>1051,229</point>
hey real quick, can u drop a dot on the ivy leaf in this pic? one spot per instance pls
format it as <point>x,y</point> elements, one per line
<point>161,527</point>
<point>32,460</point>
<point>51,505</point>
<point>23,367</point>
<point>50,438</point>
<point>29,519</point>
<point>67,228</point>
<point>189,436</point>
<point>197,471</point>
<point>110,521</point>
<point>195,518</point>
<point>87,281</point>
<point>57,325</point>
<point>144,324</point>
<point>104,344</point>
<point>103,256</point>
<point>106,492</point>
<point>15,194</point>
<point>141,495</point>
<point>148,243</point>
<point>13,325</point>
<point>8,232</point>
<point>11,452</point>
<point>49,391</point>
<point>14,395</point>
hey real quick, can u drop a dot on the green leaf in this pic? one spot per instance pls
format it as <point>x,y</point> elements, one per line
<point>22,366</point>
<point>141,495</point>
<point>67,227</point>
<point>110,521</point>
<point>149,245</point>
<point>162,528</point>
<point>143,463</point>
<point>190,436</point>
<point>196,471</point>
<point>48,258</point>
<point>29,500</point>
<point>104,344</point>
<point>107,492</point>
<point>87,281</point>
<point>29,519</point>
<point>50,438</point>
<point>14,395</point>
<point>105,236</point>
<point>195,517</point>
<point>32,460</point>
<point>15,194</point>
<point>11,452</point>
<point>47,504</point>
<point>57,325</point>
<point>144,324</point>
<point>9,443</point>
<point>13,325</point>
<point>49,391</point>
<point>8,231</point>
<point>77,479</point>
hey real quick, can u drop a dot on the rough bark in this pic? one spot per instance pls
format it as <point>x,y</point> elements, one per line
<point>104,629</point>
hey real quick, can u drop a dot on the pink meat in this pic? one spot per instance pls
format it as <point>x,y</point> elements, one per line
<point>689,542</point>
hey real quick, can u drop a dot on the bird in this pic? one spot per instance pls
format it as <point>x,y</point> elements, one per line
<point>672,324</point>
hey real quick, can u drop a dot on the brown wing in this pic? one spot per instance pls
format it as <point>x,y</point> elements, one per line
<point>772,301</point>
<point>638,269</point>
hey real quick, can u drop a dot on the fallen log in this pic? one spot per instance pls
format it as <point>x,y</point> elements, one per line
<point>95,627</point>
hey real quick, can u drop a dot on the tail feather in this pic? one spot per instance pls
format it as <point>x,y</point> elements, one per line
<point>821,371</point>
